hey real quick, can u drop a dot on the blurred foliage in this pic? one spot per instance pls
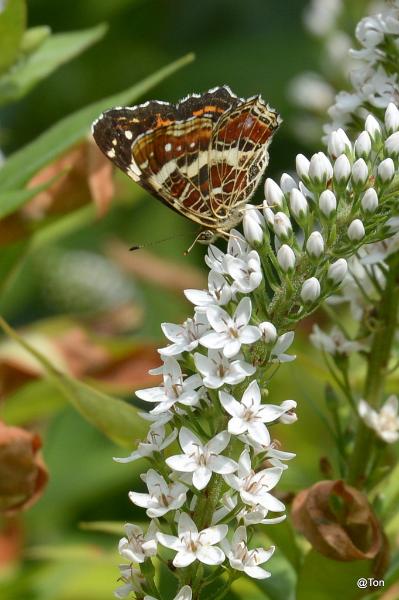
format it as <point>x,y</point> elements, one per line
<point>57,263</point>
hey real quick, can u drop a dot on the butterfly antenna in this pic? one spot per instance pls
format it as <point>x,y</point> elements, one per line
<point>149,244</point>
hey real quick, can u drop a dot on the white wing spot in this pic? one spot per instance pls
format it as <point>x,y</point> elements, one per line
<point>114,142</point>
<point>128,134</point>
<point>111,153</point>
<point>192,144</point>
<point>168,147</point>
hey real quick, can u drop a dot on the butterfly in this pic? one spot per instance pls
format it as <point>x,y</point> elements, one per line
<point>202,157</point>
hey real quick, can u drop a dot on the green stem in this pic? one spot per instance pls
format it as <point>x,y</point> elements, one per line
<point>377,372</point>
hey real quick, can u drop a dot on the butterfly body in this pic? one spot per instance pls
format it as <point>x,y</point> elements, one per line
<point>203,157</point>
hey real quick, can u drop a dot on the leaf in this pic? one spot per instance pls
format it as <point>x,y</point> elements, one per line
<point>12,200</point>
<point>325,579</point>
<point>117,419</point>
<point>54,51</point>
<point>24,163</point>
<point>12,26</point>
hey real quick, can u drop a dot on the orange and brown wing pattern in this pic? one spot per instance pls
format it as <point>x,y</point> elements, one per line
<point>201,157</point>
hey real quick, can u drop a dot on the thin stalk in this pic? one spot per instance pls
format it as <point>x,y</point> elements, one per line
<point>378,358</point>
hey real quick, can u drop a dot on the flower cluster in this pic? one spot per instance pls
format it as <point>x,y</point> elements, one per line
<point>375,79</point>
<point>214,462</point>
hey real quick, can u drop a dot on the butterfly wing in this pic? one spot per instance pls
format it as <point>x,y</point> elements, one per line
<point>165,148</point>
<point>238,155</point>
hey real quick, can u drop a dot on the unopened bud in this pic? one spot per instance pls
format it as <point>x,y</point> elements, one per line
<point>369,201</point>
<point>310,290</point>
<point>273,193</point>
<point>392,118</point>
<point>315,244</point>
<point>337,271</point>
<point>298,204</point>
<point>327,203</point>
<point>268,331</point>
<point>386,170</point>
<point>286,258</point>
<point>363,145</point>
<point>282,226</point>
<point>356,230</point>
<point>342,170</point>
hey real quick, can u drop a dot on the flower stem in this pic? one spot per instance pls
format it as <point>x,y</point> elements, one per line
<point>377,372</point>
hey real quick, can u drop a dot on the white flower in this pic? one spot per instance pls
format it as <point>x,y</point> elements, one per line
<point>132,581</point>
<point>253,225</point>
<point>338,143</point>
<point>273,193</point>
<point>230,332</point>
<point>392,144</point>
<point>185,593</point>
<point>219,292</point>
<point>161,497</point>
<point>386,170</point>
<point>243,559</point>
<point>174,389</point>
<point>255,515</point>
<point>286,258</point>
<point>335,342</point>
<point>186,336</point>
<point>282,226</point>
<point>287,183</point>
<point>369,201</point>
<point>156,442</point>
<point>302,166</point>
<point>385,422</point>
<point>337,271</point>
<point>217,370</point>
<point>342,170</point>
<point>310,290</point>
<point>136,546</point>
<point>363,145</point>
<point>254,488</point>
<point>250,415</point>
<point>320,169</point>
<point>284,341</point>
<point>356,230</point>
<point>202,459</point>
<point>327,203</point>
<point>268,331</point>
<point>392,224</point>
<point>275,457</point>
<point>246,271</point>
<point>298,204</point>
<point>315,244</point>
<point>289,416</point>
<point>215,259</point>
<point>360,172</point>
<point>192,545</point>
<point>392,118</point>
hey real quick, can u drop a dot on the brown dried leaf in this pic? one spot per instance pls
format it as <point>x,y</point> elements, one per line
<point>84,174</point>
<point>23,475</point>
<point>338,521</point>
<point>153,269</point>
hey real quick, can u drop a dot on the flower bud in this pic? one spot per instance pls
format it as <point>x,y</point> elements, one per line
<point>274,195</point>
<point>338,143</point>
<point>337,271</point>
<point>298,204</point>
<point>287,183</point>
<point>268,214</point>
<point>302,166</point>
<point>360,172</point>
<point>253,224</point>
<point>363,145</point>
<point>310,290</point>
<point>373,128</point>
<point>282,226</point>
<point>327,203</point>
<point>268,331</point>
<point>356,230</point>
<point>392,118</point>
<point>386,170</point>
<point>342,170</point>
<point>315,244</point>
<point>369,201</point>
<point>320,169</point>
<point>286,258</point>
<point>392,144</point>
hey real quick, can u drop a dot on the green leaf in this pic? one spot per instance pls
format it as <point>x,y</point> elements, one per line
<point>20,167</point>
<point>54,51</point>
<point>34,37</point>
<point>12,26</point>
<point>117,419</point>
<point>322,578</point>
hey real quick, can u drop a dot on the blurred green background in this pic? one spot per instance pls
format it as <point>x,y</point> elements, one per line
<point>253,46</point>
